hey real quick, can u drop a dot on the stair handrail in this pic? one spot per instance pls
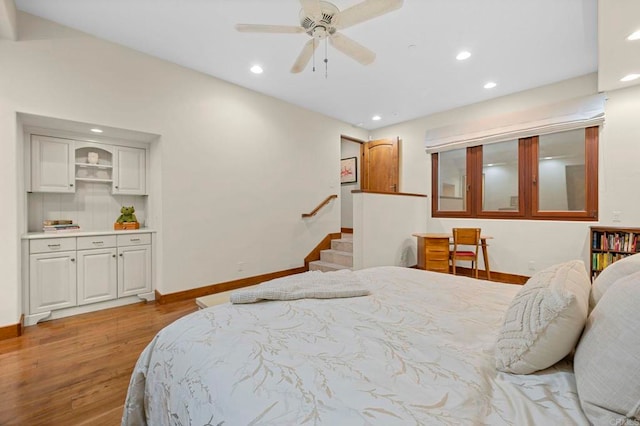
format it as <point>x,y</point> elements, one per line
<point>321,205</point>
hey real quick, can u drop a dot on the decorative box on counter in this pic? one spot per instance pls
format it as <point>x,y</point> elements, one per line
<point>126,225</point>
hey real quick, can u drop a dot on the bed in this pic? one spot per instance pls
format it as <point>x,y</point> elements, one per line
<point>419,349</point>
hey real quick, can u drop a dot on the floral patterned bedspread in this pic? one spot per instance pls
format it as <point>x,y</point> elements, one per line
<point>417,351</point>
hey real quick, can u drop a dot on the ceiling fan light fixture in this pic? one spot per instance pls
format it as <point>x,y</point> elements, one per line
<point>630,77</point>
<point>463,55</point>
<point>376,118</point>
<point>96,130</point>
<point>322,20</point>
<point>256,69</point>
<point>634,36</point>
<point>490,85</point>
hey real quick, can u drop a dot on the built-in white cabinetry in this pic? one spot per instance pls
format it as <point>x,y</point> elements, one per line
<point>130,175</point>
<point>134,264</point>
<point>69,275</point>
<point>97,274</point>
<point>52,281</point>
<point>58,164</point>
<point>52,164</point>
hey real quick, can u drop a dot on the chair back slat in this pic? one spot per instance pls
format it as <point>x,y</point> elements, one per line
<point>466,236</point>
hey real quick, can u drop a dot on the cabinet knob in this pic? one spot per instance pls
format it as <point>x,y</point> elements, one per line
<point>116,186</point>
<point>120,254</point>
<point>72,259</point>
<point>114,256</point>
<point>70,184</point>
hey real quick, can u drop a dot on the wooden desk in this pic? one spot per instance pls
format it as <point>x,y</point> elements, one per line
<point>430,249</point>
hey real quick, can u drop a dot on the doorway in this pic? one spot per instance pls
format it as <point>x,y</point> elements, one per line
<point>350,148</point>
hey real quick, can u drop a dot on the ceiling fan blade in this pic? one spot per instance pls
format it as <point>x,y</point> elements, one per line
<point>304,56</point>
<point>364,11</point>
<point>257,28</point>
<point>352,49</point>
<point>311,7</point>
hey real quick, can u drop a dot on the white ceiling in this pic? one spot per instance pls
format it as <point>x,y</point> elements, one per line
<point>519,44</point>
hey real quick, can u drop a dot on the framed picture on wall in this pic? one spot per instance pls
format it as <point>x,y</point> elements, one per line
<point>348,170</point>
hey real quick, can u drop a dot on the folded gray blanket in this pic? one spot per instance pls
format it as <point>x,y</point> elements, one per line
<point>308,285</point>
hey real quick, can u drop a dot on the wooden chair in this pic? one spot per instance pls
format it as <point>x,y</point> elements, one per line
<point>465,237</point>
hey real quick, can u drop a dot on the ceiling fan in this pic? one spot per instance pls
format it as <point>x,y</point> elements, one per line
<point>321,20</point>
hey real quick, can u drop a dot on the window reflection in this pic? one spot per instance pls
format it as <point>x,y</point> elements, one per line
<point>561,171</point>
<point>452,170</point>
<point>500,176</point>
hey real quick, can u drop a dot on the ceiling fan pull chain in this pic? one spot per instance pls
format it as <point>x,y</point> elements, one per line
<point>326,60</point>
<point>314,54</point>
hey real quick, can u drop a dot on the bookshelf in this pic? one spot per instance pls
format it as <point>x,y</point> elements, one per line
<point>609,244</point>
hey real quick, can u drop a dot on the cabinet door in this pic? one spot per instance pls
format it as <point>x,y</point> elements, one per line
<point>52,281</point>
<point>134,270</point>
<point>130,172</point>
<point>52,164</point>
<point>97,275</point>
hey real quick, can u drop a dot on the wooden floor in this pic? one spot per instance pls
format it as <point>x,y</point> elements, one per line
<point>75,371</point>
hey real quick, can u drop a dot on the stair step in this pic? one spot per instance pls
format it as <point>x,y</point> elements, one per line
<point>346,236</point>
<point>342,244</point>
<point>319,265</point>
<point>335,256</point>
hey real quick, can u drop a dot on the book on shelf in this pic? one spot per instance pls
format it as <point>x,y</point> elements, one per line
<point>50,222</point>
<point>66,227</point>
<point>616,241</point>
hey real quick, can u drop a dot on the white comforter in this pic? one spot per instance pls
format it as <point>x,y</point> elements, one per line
<point>418,350</point>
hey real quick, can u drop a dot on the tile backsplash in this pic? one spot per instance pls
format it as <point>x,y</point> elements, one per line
<point>92,206</point>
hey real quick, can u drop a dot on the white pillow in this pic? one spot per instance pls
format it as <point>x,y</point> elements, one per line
<point>611,274</point>
<point>544,320</point>
<point>607,359</point>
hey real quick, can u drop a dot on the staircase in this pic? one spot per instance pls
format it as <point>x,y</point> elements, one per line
<point>340,256</point>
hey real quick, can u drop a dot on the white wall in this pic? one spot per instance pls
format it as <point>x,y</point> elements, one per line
<point>382,228</point>
<point>517,242</point>
<point>237,168</point>
<point>349,149</point>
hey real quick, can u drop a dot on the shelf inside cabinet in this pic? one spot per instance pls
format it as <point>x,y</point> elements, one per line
<point>93,180</point>
<point>97,166</point>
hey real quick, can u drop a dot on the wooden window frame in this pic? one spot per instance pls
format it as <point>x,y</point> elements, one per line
<point>528,197</point>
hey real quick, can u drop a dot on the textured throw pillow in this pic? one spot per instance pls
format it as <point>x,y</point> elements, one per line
<point>544,320</point>
<point>612,273</point>
<point>607,359</point>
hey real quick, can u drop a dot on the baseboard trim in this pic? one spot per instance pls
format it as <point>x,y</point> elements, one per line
<point>13,330</point>
<point>224,286</point>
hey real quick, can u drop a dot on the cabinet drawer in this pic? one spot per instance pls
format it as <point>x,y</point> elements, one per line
<point>133,240</point>
<point>440,256</point>
<point>52,245</point>
<point>98,241</point>
<point>437,265</point>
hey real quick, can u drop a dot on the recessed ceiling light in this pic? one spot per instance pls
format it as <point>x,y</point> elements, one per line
<point>490,165</point>
<point>634,36</point>
<point>630,77</point>
<point>256,69</point>
<point>96,130</point>
<point>463,55</point>
<point>547,158</point>
<point>490,85</point>
<point>376,118</point>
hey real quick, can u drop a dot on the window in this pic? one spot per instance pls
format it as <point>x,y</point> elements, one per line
<point>553,176</point>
